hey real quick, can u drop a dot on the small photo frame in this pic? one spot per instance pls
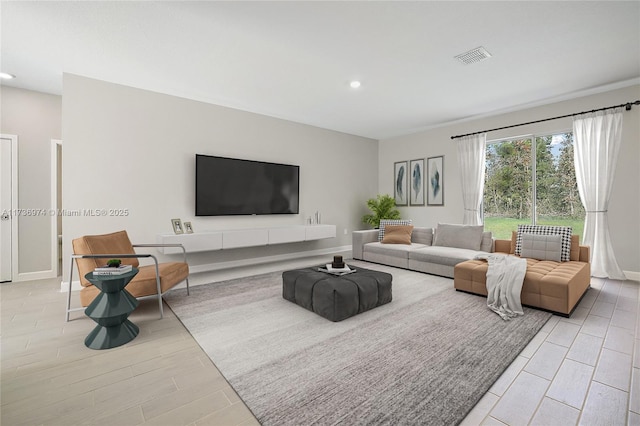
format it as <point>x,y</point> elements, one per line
<point>188,228</point>
<point>435,181</point>
<point>177,226</point>
<point>416,182</point>
<point>400,176</point>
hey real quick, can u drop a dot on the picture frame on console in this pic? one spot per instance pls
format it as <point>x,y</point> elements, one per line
<point>435,181</point>
<point>177,226</point>
<point>416,185</point>
<point>188,228</point>
<point>400,179</point>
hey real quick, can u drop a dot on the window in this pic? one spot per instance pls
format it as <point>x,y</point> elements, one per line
<point>527,183</point>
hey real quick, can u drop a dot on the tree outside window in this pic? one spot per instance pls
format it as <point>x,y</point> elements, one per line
<point>528,183</point>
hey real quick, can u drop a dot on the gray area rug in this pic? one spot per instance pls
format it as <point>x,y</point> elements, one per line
<point>425,358</point>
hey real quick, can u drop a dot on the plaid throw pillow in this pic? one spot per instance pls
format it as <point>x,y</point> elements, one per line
<point>564,232</point>
<point>385,222</point>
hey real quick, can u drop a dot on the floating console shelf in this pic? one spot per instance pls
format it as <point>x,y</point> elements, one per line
<point>237,238</point>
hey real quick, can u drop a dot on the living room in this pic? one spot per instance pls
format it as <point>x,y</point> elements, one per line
<point>131,148</point>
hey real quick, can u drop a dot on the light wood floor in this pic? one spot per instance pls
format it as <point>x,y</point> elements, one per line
<point>49,377</point>
<point>582,370</point>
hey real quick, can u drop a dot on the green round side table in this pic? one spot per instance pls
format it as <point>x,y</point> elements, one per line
<point>110,310</point>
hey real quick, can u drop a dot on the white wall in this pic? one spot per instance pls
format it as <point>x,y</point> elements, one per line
<point>126,148</point>
<point>35,118</point>
<point>624,208</point>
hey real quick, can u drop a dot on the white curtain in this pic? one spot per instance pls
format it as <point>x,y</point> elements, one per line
<point>597,143</point>
<point>471,160</point>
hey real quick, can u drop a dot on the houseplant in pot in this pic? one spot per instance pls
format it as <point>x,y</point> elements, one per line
<point>382,207</point>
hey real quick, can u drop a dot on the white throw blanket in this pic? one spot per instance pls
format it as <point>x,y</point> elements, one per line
<point>505,275</point>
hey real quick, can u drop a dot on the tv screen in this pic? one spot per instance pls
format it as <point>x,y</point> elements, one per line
<point>229,186</point>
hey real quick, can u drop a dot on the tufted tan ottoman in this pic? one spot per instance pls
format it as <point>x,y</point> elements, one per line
<point>548,285</point>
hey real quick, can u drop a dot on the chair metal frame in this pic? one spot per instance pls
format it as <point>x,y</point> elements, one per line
<point>126,256</point>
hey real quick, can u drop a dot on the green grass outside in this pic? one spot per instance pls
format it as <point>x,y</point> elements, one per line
<point>501,227</point>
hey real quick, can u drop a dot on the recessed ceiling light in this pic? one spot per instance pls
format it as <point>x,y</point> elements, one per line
<point>6,76</point>
<point>354,84</point>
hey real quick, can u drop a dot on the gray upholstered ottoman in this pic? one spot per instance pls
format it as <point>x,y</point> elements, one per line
<point>336,297</point>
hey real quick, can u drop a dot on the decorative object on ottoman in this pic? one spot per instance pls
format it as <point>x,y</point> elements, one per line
<point>338,263</point>
<point>337,297</point>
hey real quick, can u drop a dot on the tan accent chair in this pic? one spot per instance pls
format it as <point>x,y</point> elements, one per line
<point>92,251</point>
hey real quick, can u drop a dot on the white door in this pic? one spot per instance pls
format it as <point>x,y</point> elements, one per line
<point>6,217</point>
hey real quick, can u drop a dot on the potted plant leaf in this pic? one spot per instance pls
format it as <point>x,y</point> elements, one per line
<point>382,207</point>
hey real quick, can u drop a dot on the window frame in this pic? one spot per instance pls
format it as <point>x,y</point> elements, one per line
<point>534,172</point>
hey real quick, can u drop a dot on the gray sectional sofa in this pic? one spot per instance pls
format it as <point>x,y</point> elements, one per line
<point>431,251</point>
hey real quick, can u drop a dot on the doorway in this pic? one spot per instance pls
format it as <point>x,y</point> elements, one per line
<point>56,206</point>
<point>8,206</point>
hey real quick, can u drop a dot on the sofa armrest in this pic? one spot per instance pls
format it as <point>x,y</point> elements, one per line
<point>502,246</point>
<point>360,238</point>
<point>585,254</point>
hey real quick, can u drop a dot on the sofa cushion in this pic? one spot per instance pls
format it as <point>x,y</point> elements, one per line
<point>392,250</point>
<point>422,236</point>
<point>542,247</point>
<point>575,245</point>
<point>487,242</point>
<point>459,236</point>
<point>397,234</point>
<point>449,256</point>
<point>554,286</point>
<point>564,231</point>
<point>385,222</point>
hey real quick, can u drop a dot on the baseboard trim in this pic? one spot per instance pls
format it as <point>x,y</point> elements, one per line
<point>632,275</point>
<point>31,276</point>
<point>202,274</point>
<point>75,286</point>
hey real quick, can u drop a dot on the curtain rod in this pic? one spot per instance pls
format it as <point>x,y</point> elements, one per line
<point>626,106</point>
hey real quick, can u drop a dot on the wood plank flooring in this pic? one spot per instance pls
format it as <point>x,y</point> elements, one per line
<point>49,377</point>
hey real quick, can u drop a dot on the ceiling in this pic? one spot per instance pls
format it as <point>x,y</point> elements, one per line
<point>294,60</point>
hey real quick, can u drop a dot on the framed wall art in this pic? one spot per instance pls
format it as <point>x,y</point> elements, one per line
<point>416,182</point>
<point>435,181</point>
<point>400,176</point>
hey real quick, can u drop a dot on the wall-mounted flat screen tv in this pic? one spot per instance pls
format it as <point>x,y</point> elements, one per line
<point>230,186</point>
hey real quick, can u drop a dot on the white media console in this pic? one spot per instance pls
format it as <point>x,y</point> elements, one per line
<point>237,238</point>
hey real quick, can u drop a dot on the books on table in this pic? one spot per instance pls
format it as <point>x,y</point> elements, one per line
<point>106,270</point>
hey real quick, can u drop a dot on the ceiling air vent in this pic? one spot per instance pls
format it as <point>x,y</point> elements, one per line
<point>474,55</point>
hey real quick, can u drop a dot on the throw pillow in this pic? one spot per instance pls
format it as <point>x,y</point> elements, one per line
<point>459,236</point>
<point>542,247</point>
<point>385,222</point>
<point>486,244</point>
<point>397,234</point>
<point>563,231</point>
<point>422,236</point>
